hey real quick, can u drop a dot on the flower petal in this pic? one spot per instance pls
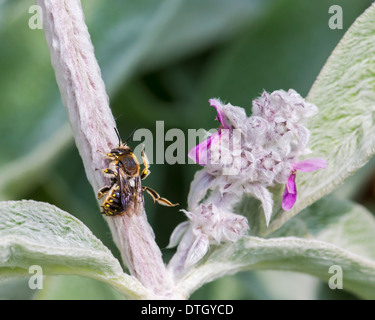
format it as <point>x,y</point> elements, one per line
<point>198,189</point>
<point>309,165</point>
<point>199,154</point>
<point>233,227</point>
<point>260,192</point>
<point>291,184</point>
<point>177,234</point>
<point>197,251</point>
<point>290,193</point>
<point>220,113</point>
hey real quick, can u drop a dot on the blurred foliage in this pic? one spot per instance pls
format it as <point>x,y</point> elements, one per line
<point>161,60</point>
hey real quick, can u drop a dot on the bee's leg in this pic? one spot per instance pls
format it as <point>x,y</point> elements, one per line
<point>109,156</point>
<point>158,199</point>
<point>103,191</point>
<point>145,171</point>
<point>109,173</point>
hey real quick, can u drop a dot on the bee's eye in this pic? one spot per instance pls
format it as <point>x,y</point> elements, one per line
<point>117,152</point>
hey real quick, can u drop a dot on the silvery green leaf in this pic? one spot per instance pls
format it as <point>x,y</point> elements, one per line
<point>336,221</point>
<point>36,233</point>
<point>332,232</point>
<point>356,185</point>
<point>343,131</point>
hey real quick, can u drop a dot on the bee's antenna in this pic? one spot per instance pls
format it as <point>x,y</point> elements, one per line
<point>127,139</point>
<point>118,136</point>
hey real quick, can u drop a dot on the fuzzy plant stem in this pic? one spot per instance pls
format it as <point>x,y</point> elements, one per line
<point>84,96</point>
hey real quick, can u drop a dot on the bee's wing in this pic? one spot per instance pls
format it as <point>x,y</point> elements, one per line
<point>125,191</point>
<point>131,196</point>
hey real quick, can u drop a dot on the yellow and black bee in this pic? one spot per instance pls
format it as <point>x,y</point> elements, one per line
<point>124,195</point>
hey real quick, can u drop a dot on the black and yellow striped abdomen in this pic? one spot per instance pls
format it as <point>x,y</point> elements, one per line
<point>111,205</point>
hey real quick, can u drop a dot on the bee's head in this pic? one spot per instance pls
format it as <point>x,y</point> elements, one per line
<point>123,149</point>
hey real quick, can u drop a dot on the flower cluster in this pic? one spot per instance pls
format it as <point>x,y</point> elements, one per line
<point>249,154</point>
<point>209,225</point>
<point>246,155</point>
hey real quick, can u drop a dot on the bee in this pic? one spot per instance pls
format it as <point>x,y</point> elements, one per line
<point>124,195</point>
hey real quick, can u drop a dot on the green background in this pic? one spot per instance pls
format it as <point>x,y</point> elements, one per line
<point>161,61</point>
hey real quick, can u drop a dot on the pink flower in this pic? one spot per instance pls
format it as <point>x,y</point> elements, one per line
<point>246,155</point>
<point>200,152</point>
<point>290,192</point>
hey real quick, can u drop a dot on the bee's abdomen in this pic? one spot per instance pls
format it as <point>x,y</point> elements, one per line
<point>112,204</point>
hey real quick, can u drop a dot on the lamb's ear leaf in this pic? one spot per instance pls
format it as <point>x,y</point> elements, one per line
<point>331,239</point>
<point>39,234</point>
<point>343,131</point>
